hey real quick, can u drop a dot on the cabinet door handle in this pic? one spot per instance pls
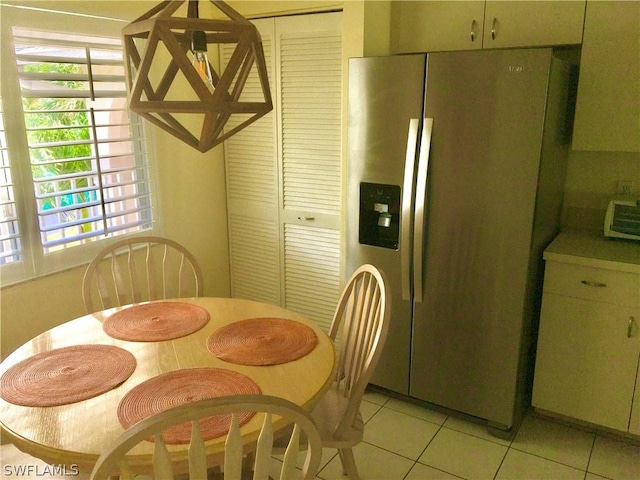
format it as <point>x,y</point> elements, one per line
<point>494,28</point>
<point>306,219</point>
<point>630,325</point>
<point>474,25</point>
<point>590,283</point>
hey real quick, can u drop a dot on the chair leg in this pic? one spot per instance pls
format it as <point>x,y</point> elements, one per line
<point>348,463</point>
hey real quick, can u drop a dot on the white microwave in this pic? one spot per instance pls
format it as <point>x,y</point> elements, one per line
<point>622,219</point>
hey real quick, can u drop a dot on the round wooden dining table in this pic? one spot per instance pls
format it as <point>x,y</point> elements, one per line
<point>76,434</point>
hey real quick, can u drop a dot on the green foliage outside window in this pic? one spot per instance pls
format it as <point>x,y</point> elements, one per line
<point>59,120</point>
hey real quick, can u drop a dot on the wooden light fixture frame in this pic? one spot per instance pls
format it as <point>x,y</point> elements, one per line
<point>159,25</point>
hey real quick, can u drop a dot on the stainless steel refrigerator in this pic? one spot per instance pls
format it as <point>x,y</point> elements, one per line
<point>456,165</point>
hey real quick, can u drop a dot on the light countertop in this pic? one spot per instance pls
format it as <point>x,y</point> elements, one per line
<point>590,248</point>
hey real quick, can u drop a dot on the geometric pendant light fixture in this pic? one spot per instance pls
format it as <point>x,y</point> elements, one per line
<point>172,84</point>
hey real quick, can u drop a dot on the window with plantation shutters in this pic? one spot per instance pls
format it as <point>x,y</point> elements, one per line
<point>10,244</point>
<point>86,149</point>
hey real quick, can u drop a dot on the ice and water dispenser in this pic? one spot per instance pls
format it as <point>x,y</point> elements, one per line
<point>379,215</point>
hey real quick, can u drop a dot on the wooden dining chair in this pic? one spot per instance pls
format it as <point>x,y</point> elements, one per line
<point>361,320</point>
<point>233,462</point>
<point>140,269</point>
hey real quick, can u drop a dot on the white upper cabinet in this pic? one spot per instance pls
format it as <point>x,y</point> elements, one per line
<point>608,105</point>
<point>436,26</point>
<point>529,24</point>
<point>418,26</point>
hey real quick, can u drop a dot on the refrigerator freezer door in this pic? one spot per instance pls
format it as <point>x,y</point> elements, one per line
<point>384,95</point>
<point>488,109</point>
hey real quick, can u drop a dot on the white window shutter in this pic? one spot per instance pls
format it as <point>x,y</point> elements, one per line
<point>87,150</point>
<point>10,239</point>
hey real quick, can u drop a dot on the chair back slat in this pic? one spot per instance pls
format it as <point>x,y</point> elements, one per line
<point>150,275</point>
<point>291,455</point>
<point>374,318</point>
<point>263,451</point>
<point>117,278</point>
<point>140,269</point>
<point>125,471</point>
<point>360,323</point>
<point>183,275</point>
<point>133,282</point>
<point>353,325</point>
<point>345,310</point>
<point>233,451</point>
<point>103,292</point>
<point>161,460</point>
<point>197,455</point>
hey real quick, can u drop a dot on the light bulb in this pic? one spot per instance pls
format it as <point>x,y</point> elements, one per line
<point>200,60</point>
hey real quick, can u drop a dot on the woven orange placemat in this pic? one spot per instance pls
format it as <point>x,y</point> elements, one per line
<point>66,375</point>
<point>262,341</point>
<point>156,321</point>
<point>184,386</point>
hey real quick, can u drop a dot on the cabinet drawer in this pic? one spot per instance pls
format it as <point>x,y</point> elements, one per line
<point>589,283</point>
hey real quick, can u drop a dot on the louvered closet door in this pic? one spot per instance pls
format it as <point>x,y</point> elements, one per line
<point>309,55</point>
<point>252,191</point>
<point>284,173</point>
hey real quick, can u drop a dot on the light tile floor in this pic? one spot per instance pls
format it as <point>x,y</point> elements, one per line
<point>403,441</point>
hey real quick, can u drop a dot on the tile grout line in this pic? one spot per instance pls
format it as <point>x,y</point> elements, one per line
<point>593,446</point>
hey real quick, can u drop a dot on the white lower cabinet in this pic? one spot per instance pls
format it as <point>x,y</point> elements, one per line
<point>589,340</point>
<point>586,365</point>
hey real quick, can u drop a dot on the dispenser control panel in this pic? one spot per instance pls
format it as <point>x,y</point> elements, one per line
<point>379,222</point>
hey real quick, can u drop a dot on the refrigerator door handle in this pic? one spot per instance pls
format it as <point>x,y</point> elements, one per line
<point>407,207</point>
<point>420,208</point>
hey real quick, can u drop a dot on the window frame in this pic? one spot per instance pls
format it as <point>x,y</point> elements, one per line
<point>9,227</point>
<point>35,262</point>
